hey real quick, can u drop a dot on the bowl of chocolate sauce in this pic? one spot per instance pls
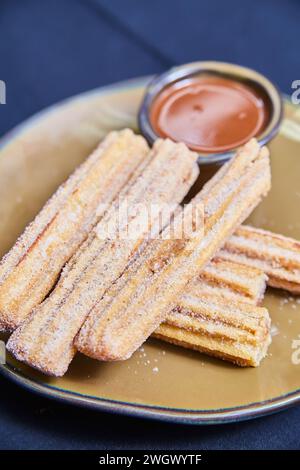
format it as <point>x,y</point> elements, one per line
<point>213,107</point>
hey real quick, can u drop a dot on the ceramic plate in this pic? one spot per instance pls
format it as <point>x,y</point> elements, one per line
<point>160,381</point>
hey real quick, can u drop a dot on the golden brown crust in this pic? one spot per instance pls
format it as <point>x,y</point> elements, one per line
<point>233,331</point>
<point>175,336</point>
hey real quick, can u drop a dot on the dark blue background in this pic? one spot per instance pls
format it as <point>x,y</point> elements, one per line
<point>51,49</point>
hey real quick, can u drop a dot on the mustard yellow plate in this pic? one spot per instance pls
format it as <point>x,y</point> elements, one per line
<point>160,381</point>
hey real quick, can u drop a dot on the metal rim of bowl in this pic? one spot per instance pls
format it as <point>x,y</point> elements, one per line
<point>238,72</point>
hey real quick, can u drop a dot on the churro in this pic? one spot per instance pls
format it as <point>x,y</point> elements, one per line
<point>31,268</point>
<point>45,339</point>
<point>233,331</point>
<point>141,299</point>
<point>278,256</point>
<point>230,280</point>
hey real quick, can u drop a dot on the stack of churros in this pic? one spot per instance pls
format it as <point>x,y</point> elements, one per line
<point>85,277</point>
<point>223,320</point>
<point>220,320</point>
<point>136,305</point>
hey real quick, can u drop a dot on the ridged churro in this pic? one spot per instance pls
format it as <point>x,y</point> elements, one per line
<point>31,268</point>
<point>45,339</point>
<point>212,316</point>
<point>141,299</point>
<point>230,280</point>
<point>233,331</point>
<point>278,256</point>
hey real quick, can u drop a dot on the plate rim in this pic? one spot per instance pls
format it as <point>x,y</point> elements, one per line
<point>154,412</point>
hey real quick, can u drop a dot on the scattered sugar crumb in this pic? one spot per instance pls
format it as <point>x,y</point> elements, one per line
<point>155,369</point>
<point>274,330</point>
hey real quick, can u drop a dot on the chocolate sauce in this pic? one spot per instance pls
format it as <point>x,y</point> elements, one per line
<point>209,113</point>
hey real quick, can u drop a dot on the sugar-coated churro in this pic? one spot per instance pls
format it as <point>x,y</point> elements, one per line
<point>29,271</point>
<point>132,304</point>
<point>45,339</point>
<point>234,331</point>
<point>230,280</point>
<point>278,256</point>
<point>140,300</point>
